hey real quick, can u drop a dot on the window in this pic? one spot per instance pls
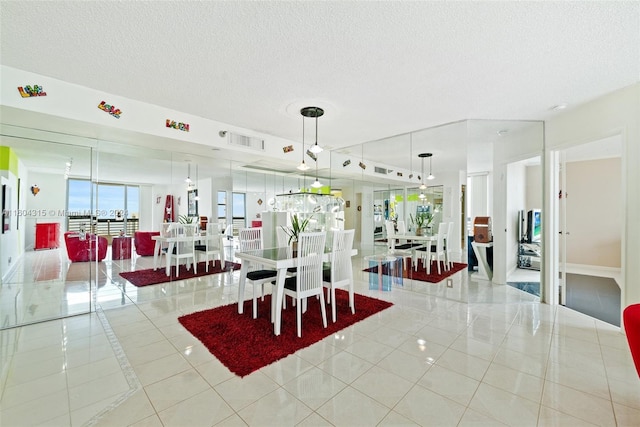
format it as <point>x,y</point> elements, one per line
<point>222,205</point>
<point>114,207</point>
<point>238,212</point>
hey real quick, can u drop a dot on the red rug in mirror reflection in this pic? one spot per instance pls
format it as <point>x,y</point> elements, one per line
<point>421,273</point>
<point>152,277</point>
<point>244,344</point>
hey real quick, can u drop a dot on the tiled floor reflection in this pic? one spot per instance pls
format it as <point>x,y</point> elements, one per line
<point>471,354</point>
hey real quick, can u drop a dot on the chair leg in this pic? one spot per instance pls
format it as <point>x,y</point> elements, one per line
<point>299,318</point>
<point>333,306</point>
<point>255,303</point>
<point>352,302</point>
<point>322,310</point>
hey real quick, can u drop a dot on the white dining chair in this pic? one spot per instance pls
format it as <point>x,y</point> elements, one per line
<point>340,271</point>
<point>405,250</point>
<point>308,279</point>
<point>436,251</point>
<point>211,247</point>
<point>251,239</point>
<point>182,249</point>
<point>449,245</point>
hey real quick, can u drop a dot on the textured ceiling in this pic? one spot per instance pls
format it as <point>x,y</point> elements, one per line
<point>379,69</point>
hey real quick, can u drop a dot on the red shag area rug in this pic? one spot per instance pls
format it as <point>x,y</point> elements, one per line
<point>152,277</point>
<point>244,344</point>
<point>421,273</point>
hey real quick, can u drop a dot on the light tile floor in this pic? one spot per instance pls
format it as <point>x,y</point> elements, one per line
<point>474,354</point>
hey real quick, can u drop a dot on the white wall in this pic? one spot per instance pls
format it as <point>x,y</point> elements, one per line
<point>512,147</point>
<point>48,206</point>
<point>594,212</point>
<point>516,201</point>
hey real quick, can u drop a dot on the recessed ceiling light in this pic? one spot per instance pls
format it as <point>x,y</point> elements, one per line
<point>559,107</point>
<point>502,131</point>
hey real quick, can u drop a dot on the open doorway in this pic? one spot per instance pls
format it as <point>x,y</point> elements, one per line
<point>590,223</point>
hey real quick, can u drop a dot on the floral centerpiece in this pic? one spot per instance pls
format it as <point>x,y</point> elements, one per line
<point>298,226</point>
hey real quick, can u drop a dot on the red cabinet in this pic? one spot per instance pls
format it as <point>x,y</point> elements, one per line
<point>47,235</point>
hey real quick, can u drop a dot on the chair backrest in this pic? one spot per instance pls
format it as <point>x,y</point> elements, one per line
<point>443,228</point>
<point>165,231</point>
<point>402,228</point>
<point>250,238</point>
<point>449,238</point>
<point>341,255</point>
<point>391,241</point>
<point>310,252</point>
<point>175,229</point>
<point>182,247</point>
<point>390,228</point>
<point>212,241</point>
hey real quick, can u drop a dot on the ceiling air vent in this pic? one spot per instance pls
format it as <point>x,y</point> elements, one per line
<point>377,169</point>
<point>246,141</point>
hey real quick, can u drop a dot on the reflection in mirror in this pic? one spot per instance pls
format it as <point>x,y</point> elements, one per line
<point>39,280</point>
<point>505,184</point>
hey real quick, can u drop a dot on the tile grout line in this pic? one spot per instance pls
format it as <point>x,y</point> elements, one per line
<point>127,370</point>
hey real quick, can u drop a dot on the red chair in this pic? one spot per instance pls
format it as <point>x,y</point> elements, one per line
<point>631,317</point>
<point>143,242</point>
<point>84,249</point>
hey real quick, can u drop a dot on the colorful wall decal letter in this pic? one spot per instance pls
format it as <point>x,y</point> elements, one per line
<point>31,91</point>
<point>175,125</point>
<point>115,112</point>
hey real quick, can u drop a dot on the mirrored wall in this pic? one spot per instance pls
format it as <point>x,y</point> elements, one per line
<point>112,190</point>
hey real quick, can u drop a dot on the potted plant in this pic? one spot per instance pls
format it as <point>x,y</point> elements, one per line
<point>184,219</point>
<point>422,220</point>
<point>297,226</point>
<point>190,227</point>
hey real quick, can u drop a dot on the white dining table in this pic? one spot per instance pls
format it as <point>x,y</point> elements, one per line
<point>425,240</point>
<point>171,242</point>
<point>279,259</point>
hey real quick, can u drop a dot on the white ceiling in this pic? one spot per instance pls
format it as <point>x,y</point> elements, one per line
<point>379,69</point>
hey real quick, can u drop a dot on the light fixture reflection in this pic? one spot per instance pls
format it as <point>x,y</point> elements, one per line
<point>303,166</point>
<point>430,177</point>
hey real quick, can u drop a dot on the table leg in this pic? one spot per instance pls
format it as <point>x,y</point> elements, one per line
<point>167,269</point>
<point>156,252</point>
<point>243,278</point>
<point>279,297</point>
<point>484,271</point>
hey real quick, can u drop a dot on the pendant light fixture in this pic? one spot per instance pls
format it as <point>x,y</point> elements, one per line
<point>410,155</point>
<point>195,186</point>
<point>430,177</point>
<point>303,166</point>
<point>422,156</point>
<point>316,183</point>
<point>188,180</point>
<point>314,112</point>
